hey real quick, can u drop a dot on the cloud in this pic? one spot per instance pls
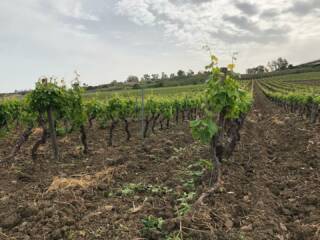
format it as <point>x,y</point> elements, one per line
<point>302,8</point>
<point>247,8</point>
<point>255,33</point>
<point>73,9</point>
<point>39,42</point>
<point>193,23</point>
<point>111,39</point>
<point>226,24</point>
<point>269,13</point>
<point>139,11</point>
<point>242,22</point>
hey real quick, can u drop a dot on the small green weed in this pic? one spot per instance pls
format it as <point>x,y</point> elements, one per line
<point>132,188</point>
<point>151,224</point>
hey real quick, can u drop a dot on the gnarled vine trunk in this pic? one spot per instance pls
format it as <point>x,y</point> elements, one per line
<point>23,138</point>
<point>177,115</point>
<point>53,134</point>
<point>146,126</point>
<point>126,127</point>
<point>84,139</point>
<point>41,141</point>
<point>112,127</point>
<point>154,122</point>
<point>168,123</point>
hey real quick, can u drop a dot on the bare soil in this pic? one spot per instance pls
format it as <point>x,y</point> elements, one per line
<point>270,185</point>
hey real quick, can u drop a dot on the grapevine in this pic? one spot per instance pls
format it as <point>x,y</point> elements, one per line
<point>224,106</point>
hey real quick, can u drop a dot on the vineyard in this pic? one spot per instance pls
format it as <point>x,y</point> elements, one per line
<point>224,160</point>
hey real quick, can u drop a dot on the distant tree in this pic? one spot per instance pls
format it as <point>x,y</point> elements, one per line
<point>172,75</point>
<point>282,63</point>
<point>164,76</point>
<point>190,73</point>
<point>159,84</point>
<point>136,86</point>
<point>274,64</point>
<point>154,77</point>
<point>114,82</point>
<point>261,69</point>
<point>132,79</point>
<point>279,64</point>
<point>146,78</point>
<point>181,73</point>
<point>257,70</point>
<point>251,71</point>
<point>270,66</point>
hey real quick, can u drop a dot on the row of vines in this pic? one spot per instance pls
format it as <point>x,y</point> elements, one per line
<point>296,97</point>
<point>216,116</point>
<point>56,109</point>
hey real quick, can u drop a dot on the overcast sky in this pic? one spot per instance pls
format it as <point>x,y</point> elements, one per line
<point>107,40</point>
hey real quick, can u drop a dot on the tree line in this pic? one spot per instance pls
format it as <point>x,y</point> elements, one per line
<point>272,66</point>
<point>149,78</point>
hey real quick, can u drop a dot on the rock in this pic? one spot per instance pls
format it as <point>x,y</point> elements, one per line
<point>247,228</point>
<point>27,211</point>
<point>108,208</point>
<point>146,149</point>
<point>260,204</point>
<point>109,161</point>
<point>55,235</point>
<point>155,235</point>
<point>228,224</point>
<point>48,212</point>
<point>27,237</point>
<point>151,157</point>
<point>246,198</point>
<point>169,225</point>
<point>24,177</point>
<point>113,162</point>
<point>10,221</point>
<point>280,237</point>
<point>44,204</point>
<point>68,221</point>
<point>169,143</point>
<point>4,200</point>
<point>136,198</point>
<point>283,227</point>
<point>102,187</point>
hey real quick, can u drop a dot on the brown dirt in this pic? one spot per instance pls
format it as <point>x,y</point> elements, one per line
<point>270,189</point>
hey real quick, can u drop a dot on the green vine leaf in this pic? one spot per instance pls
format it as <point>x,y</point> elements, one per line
<point>204,130</point>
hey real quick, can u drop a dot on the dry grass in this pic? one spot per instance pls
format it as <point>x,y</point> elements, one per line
<point>84,181</point>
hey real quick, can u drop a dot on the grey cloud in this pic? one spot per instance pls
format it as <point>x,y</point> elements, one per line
<point>269,13</point>
<point>190,1</point>
<point>264,37</point>
<point>242,22</point>
<point>251,32</point>
<point>247,8</point>
<point>302,8</point>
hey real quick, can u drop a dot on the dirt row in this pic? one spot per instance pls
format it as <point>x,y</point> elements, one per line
<point>270,185</point>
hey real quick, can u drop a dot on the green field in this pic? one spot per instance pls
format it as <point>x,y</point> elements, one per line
<point>187,89</point>
<point>163,91</point>
<point>297,77</point>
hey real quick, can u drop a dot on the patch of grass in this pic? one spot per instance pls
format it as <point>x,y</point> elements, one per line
<point>132,188</point>
<point>174,236</point>
<point>184,203</point>
<point>151,224</point>
<point>163,91</point>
